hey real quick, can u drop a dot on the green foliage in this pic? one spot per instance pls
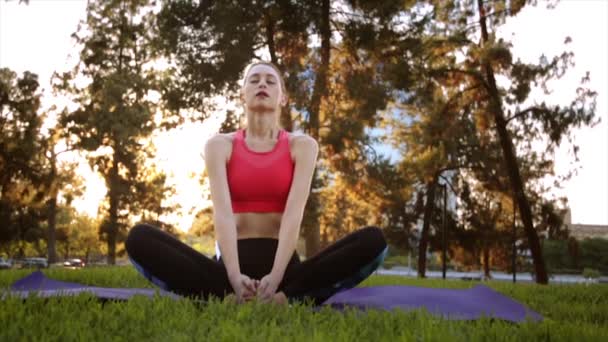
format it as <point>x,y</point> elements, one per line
<point>397,260</point>
<point>215,41</point>
<point>591,273</point>
<point>203,223</point>
<point>22,183</point>
<point>556,254</point>
<point>594,254</point>
<point>115,117</point>
<point>335,91</point>
<point>590,254</point>
<point>572,312</point>
<point>452,116</point>
<point>77,235</point>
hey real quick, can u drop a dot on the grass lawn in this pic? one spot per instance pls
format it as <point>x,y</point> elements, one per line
<point>572,312</point>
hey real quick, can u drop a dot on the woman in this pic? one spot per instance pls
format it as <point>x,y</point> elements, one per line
<point>260,180</point>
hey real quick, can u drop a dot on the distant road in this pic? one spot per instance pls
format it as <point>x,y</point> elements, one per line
<point>523,277</point>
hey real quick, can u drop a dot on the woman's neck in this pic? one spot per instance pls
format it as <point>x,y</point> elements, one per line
<point>261,126</point>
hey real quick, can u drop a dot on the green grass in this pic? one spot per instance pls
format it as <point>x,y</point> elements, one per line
<point>572,312</point>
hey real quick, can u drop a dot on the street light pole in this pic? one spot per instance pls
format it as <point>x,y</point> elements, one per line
<point>444,223</point>
<point>514,252</point>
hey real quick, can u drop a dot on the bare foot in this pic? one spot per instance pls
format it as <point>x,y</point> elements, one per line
<point>231,298</point>
<point>279,298</point>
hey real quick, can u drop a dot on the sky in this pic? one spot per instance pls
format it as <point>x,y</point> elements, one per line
<point>36,37</point>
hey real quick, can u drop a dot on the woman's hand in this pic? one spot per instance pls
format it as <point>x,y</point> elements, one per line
<point>268,287</point>
<point>244,287</point>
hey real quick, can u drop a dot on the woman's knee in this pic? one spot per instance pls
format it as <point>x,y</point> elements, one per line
<point>373,238</point>
<point>137,236</point>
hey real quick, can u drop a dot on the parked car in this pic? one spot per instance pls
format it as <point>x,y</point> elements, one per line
<point>5,264</point>
<point>73,263</point>
<point>34,263</point>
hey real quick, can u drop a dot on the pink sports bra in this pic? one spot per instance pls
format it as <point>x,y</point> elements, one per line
<point>259,181</point>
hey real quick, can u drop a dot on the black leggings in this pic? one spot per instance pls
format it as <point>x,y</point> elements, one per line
<point>174,266</point>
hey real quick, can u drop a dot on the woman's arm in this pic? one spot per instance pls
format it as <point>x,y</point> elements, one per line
<point>216,155</point>
<point>305,152</point>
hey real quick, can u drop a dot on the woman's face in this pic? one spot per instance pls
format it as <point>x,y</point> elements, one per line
<point>262,89</point>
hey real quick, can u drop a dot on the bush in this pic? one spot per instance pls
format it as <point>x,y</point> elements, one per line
<point>590,253</point>
<point>395,260</point>
<point>590,273</point>
<point>594,254</point>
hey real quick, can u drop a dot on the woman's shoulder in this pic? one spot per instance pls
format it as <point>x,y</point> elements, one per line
<point>220,143</point>
<point>301,141</point>
<point>221,138</point>
<point>299,136</point>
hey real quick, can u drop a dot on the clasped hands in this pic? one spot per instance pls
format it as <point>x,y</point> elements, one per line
<point>265,289</point>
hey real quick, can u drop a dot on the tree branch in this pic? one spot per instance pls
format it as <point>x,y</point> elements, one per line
<point>522,113</point>
<point>476,75</point>
<point>448,183</point>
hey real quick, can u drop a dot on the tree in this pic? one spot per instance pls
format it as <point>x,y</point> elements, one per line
<point>491,56</point>
<point>59,178</point>
<point>77,235</point>
<point>203,223</point>
<point>334,91</point>
<point>21,183</point>
<point>115,116</point>
<point>460,52</point>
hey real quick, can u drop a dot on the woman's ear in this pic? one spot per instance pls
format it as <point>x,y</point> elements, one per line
<point>283,100</point>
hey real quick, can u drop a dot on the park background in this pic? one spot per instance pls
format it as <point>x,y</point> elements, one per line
<point>399,102</point>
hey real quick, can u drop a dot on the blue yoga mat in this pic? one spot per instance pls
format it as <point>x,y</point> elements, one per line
<point>468,304</point>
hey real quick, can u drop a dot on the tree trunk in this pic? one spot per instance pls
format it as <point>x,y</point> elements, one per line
<point>21,249</point>
<point>486,262</point>
<point>285,119</point>
<point>312,231</point>
<point>52,223</point>
<point>424,236</point>
<point>66,255</point>
<point>511,160</point>
<point>313,234</point>
<point>52,213</point>
<point>112,227</point>
<point>270,38</point>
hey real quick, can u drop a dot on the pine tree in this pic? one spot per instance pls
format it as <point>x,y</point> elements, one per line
<point>22,192</point>
<point>115,115</point>
<point>459,51</point>
<point>211,43</point>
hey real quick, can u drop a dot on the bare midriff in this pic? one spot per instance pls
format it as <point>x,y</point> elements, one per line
<point>258,225</point>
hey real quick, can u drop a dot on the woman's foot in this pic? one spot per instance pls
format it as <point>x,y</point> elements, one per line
<point>231,298</point>
<point>280,298</point>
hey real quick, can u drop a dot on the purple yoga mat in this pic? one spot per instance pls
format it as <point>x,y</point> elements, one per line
<point>45,287</point>
<point>467,304</point>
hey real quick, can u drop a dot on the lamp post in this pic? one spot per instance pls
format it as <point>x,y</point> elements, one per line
<point>514,251</point>
<point>444,224</point>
